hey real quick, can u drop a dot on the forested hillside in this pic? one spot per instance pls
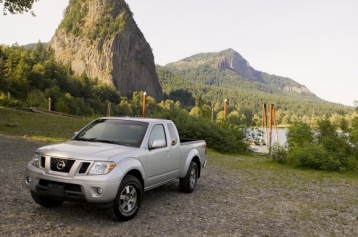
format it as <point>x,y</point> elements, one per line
<point>213,77</point>
<point>31,76</point>
<point>229,69</point>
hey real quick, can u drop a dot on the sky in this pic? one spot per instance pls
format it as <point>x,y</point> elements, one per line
<point>312,42</point>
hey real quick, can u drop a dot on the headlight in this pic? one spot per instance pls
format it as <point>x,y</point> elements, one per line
<point>36,160</point>
<point>102,167</point>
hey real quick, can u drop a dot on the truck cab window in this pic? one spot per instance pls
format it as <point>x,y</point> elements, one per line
<point>157,133</point>
<point>173,134</point>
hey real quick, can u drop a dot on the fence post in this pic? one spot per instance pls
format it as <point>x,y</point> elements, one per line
<point>225,108</point>
<point>144,104</point>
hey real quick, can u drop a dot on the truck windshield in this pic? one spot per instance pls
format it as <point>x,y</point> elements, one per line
<point>116,131</point>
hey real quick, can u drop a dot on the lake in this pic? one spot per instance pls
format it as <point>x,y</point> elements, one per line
<point>281,132</point>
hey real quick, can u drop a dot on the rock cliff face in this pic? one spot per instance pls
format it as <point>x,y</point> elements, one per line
<point>302,90</point>
<point>238,64</point>
<point>101,38</point>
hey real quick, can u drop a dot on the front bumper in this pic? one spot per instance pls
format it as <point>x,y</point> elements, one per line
<point>82,188</point>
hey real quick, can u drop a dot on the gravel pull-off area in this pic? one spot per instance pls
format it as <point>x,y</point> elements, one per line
<point>225,203</point>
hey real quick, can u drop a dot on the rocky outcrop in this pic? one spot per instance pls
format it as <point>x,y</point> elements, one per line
<point>238,64</point>
<point>120,57</point>
<point>299,90</point>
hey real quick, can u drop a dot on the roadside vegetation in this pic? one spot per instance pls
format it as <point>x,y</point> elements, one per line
<point>40,127</point>
<point>28,77</point>
<point>52,128</point>
<point>326,146</point>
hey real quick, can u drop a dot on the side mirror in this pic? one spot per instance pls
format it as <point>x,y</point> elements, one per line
<point>159,143</point>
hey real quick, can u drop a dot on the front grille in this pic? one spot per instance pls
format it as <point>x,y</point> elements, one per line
<point>43,160</point>
<point>68,187</point>
<point>61,165</point>
<point>84,167</point>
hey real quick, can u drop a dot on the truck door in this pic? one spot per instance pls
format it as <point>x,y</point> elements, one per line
<point>161,163</point>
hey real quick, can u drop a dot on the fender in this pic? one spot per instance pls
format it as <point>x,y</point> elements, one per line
<point>130,163</point>
<point>193,153</point>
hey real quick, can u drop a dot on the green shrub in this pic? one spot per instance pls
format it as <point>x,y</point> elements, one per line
<point>279,154</point>
<point>312,156</point>
<point>220,137</point>
<point>298,134</point>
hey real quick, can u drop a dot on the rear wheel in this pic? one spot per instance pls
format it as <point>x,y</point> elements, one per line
<point>188,183</point>
<point>45,201</point>
<point>128,200</point>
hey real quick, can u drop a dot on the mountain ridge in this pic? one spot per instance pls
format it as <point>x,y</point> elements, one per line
<point>213,77</point>
<point>229,59</point>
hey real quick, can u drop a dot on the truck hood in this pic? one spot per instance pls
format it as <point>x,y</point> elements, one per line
<point>84,150</point>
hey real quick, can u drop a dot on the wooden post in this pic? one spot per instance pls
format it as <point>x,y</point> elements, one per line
<point>225,108</point>
<point>270,127</point>
<point>49,104</point>
<point>144,104</point>
<point>8,95</point>
<point>265,122</point>
<point>274,122</point>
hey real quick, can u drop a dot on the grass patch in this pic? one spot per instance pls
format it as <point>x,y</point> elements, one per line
<point>40,127</point>
<point>289,174</point>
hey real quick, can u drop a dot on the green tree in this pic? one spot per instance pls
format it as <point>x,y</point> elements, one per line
<point>17,6</point>
<point>195,111</point>
<point>36,98</point>
<point>61,106</point>
<point>298,135</point>
<point>233,118</point>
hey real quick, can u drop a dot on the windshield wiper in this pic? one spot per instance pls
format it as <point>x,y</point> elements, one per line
<point>112,142</point>
<point>104,141</point>
<point>86,139</point>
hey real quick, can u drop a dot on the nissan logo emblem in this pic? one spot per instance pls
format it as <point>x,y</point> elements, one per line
<point>61,165</point>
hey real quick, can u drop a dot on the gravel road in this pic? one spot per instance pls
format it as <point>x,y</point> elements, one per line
<point>225,203</point>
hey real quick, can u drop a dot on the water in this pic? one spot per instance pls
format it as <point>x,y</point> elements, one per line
<point>281,132</point>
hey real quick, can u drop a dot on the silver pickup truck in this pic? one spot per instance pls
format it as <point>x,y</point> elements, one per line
<point>111,162</point>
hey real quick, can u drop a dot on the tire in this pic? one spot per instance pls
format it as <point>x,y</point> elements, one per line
<point>128,200</point>
<point>45,201</point>
<point>188,183</point>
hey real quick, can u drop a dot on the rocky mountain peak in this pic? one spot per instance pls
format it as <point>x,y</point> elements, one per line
<point>101,38</point>
<point>232,60</point>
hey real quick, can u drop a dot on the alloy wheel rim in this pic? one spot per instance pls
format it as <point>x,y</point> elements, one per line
<point>128,198</point>
<point>192,178</point>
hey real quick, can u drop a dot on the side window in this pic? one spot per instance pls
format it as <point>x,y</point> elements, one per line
<point>157,133</point>
<point>173,134</point>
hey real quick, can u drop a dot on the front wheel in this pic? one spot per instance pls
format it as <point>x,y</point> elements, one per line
<point>128,199</point>
<point>188,183</point>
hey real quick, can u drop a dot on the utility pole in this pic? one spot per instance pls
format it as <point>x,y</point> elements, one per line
<point>270,128</point>
<point>144,104</point>
<point>225,108</point>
